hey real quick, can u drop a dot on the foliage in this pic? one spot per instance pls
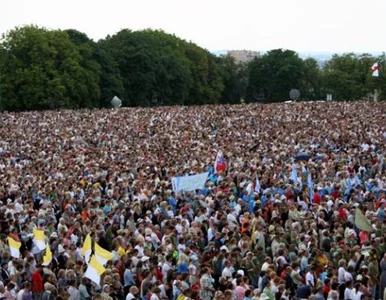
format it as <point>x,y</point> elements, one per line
<point>42,69</point>
<point>348,76</point>
<point>272,76</point>
<point>235,78</point>
<point>48,69</point>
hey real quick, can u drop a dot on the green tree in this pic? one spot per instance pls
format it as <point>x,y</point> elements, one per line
<point>312,82</point>
<point>42,69</point>
<point>379,83</point>
<point>152,66</point>
<point>101,69</point>
<point>272,76</point>
<point>87,91</point>
<point>348,76</point>
<point>234,78</point>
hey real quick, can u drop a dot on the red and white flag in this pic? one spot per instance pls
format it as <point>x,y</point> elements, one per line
<point>375,70</point>
<point>220,164</point>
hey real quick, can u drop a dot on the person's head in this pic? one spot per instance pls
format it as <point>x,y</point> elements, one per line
<point>156,290</point>
<point>10,286</point>
<point>134,290</point>
<point>97,296</point>
<point>27,285</point>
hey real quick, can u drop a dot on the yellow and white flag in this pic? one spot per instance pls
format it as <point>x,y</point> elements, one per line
<point>47,258</point>
<point>39,239</point>
<point>102,255</point>
<point>14,247</point>
<point>94,270</point>
<point>86,249</point>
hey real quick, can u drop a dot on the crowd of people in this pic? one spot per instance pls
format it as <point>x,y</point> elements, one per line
<point>277,222</point>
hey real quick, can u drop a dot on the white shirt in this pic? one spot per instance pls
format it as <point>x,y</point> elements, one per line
<point>310,279</point>
<point>358,295</point>
<point>20,295</point>
<point>130,296</point>
<point>348,276</point>
<point>341,275</point>
<point>226,272</point>
<point>140,250</point>
<point>348,294</point>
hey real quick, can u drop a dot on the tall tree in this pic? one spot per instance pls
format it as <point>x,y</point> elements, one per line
<point>348,76</point>
<point>272,76</point>
<point>234,78</point>
<point>153,68</point>
<point>42,69</point>
<point>311,88</point>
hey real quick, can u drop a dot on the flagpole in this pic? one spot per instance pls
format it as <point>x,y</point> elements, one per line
<point>375,73</point>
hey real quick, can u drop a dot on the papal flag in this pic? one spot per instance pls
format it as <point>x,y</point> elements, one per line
<point>47,258</point>
<point>102,255</point>
<point>362,222</point>
<point>375,70</point>
<point>14,247</point>
<point>86,249</point>
<point>39,239</point>
<point>94,270</point>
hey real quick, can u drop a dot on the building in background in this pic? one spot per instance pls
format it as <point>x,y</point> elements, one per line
<point>243,56</point>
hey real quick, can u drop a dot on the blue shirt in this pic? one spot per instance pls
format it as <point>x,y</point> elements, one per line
<point>129,278</point>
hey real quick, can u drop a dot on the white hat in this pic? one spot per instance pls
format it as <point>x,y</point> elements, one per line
<point>54,235</point>
<point>263,296</point>
<point>241,272</point>
<point>145,258</point>
<point>225,248</point>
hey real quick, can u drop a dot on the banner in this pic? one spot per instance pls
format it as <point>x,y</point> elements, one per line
<point>362,222</point>
<point>189,183</point>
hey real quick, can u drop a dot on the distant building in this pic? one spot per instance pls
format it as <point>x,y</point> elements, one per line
<point>243,56</point>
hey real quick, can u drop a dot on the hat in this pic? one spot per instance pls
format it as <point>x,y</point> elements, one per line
<point>225,248</point>
<point>145,258</point>
<point>263,296</point>
<point>148,212</point>
<point>54,235</point>
<point>241,272</point>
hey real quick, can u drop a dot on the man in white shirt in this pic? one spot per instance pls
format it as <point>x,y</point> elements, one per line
<point>310,278</point>
<point>227,271</point>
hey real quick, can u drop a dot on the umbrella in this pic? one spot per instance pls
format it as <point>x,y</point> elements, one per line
<point>302,156</point>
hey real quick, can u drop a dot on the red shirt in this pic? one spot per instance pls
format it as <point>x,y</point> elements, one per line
<point>37,282</point>
<point>342,214</point>
<point>316,199</point>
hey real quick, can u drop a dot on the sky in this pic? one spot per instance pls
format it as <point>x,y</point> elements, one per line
<point>261,25</point>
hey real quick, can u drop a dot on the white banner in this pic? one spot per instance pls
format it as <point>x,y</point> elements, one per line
<point>189,183</point>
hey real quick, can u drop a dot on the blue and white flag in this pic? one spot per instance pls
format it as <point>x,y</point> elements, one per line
<point>257,185</point>
<point>294,174</point>
<point>310,186</point>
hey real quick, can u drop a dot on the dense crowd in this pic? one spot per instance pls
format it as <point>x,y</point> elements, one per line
<point>278,222</point>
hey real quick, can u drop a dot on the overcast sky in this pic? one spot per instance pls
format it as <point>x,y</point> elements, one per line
<point>301,25</point>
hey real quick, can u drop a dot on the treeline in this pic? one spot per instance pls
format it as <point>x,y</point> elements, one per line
<point>49,69</point>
